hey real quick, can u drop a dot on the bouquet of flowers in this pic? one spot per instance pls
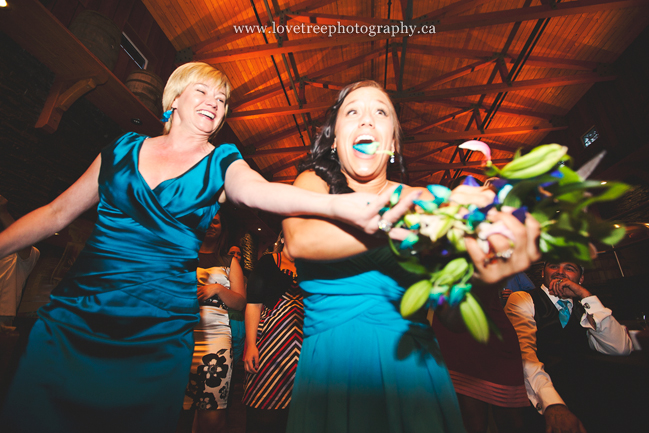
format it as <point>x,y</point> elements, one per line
<point>539,183</point>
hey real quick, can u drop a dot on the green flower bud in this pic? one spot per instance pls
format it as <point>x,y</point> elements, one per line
<point>538,161</point>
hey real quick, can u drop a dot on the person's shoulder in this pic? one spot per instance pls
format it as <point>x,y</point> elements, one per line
<point>309,180</point>
<point>227,148</point>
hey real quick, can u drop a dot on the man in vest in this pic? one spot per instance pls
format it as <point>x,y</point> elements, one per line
<point>557,325</point>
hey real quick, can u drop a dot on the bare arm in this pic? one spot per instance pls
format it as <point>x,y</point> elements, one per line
<point>234,297</point>
<point>6,219</point>
<point>244,186</point>
<point>251,357</point>
<point>47,220</point>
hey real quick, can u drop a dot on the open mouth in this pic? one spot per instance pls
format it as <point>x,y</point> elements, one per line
<point>366,144</point>
<point>207,114</point>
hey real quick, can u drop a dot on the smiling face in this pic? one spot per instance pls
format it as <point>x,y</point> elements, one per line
<point>200,108</point>
<point>235,252</point>
<point>365,116</point>
<point>563,271</point>
<point>214,229</point>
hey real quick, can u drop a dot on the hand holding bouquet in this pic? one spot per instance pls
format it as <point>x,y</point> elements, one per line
<point>538,183</point>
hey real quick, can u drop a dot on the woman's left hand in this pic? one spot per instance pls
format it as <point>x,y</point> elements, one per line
<point>491,268</point>
<point>362,210</point>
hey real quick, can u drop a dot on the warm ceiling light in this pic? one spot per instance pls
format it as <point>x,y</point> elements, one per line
<point>603,182</point>
<point>259,228</point>
<point>617,226</point>
<point>3,4</point>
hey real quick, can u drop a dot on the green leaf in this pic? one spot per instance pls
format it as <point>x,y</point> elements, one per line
<point>606,232</point>
<point>415,297</point>
<point>613,191</point>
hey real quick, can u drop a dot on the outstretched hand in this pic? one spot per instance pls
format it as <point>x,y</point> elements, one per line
<point>524,248</point>
<point>362,210</point>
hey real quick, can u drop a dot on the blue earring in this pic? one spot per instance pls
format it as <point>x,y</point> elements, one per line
<point>167,115</point>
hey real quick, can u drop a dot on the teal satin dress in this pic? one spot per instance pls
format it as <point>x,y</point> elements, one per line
<point>112,350</point>
<point>363,367</point>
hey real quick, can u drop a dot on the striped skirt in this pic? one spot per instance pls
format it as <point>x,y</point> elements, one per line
<point>279,340</point>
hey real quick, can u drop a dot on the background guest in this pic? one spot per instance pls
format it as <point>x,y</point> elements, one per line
<point>274,319</point>
<point>220,288</point>
<point>557,325</point>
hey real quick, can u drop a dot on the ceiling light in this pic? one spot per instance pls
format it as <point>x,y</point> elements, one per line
<point>259,228</point>
<point>604,182</point>
<point>3,4</point>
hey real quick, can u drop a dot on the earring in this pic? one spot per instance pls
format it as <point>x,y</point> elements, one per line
<point>167,115</point>
<point>333,151</point>
<point>392,159</point>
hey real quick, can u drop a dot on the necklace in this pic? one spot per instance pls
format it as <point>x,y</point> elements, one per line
<point>387,182</point>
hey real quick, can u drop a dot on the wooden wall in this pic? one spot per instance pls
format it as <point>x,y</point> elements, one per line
<point>133,18</point>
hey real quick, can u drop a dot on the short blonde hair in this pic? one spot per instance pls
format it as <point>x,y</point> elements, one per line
<point>191,73</point>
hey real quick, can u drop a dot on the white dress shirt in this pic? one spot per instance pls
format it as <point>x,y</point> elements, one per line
<point>605,334</point>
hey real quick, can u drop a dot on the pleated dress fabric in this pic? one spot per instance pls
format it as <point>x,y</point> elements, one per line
<point>112,350</point>
<point>363,367</point>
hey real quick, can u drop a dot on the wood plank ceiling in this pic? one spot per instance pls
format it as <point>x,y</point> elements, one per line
<point>505,71</point>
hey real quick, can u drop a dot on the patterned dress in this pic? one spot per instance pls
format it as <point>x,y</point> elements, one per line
<point>279,335</point>
<point>211,372</point>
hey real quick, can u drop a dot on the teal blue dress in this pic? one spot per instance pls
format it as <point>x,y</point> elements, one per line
<point>112,350</point>
<point>363,367</point>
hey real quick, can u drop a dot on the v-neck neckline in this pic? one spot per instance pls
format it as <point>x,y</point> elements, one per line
<point>137,166</point>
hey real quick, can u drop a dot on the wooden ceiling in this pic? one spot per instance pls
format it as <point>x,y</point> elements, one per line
<point>504,71</point>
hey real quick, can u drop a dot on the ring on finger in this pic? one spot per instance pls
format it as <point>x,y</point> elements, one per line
<point>385,226</point>
<point>493,257</point>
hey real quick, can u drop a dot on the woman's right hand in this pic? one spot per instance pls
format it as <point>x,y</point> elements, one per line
<point>209,290</point>
<point>251,359</point>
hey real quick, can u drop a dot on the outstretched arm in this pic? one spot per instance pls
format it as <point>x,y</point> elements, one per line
<point>244,186</point>
<point>47,220</point>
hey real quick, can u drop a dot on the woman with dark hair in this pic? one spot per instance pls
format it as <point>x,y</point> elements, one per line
<point>274,317</point>
<point>117,335</point>
<point>220,288</point>
<point>363,367</point>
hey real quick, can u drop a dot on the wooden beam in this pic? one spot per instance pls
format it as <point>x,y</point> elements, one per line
<point>466,135</point>
<point>414,159</point>
<point>344,20</point>
<point>280,151</point>
<point>282,135</point>
<point>483,89</point>
<point>510,58</point>
<point>324,84</point>
<point>455,8</point>
<point>259,96</point>
<point>395,66</point>
<point>278,111</point>
<point>268,92</point>
<point>534,13</point>
<point>441,120</point>
<point>502,70</point>
<point>455,166</point>
<point>444,78</point>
